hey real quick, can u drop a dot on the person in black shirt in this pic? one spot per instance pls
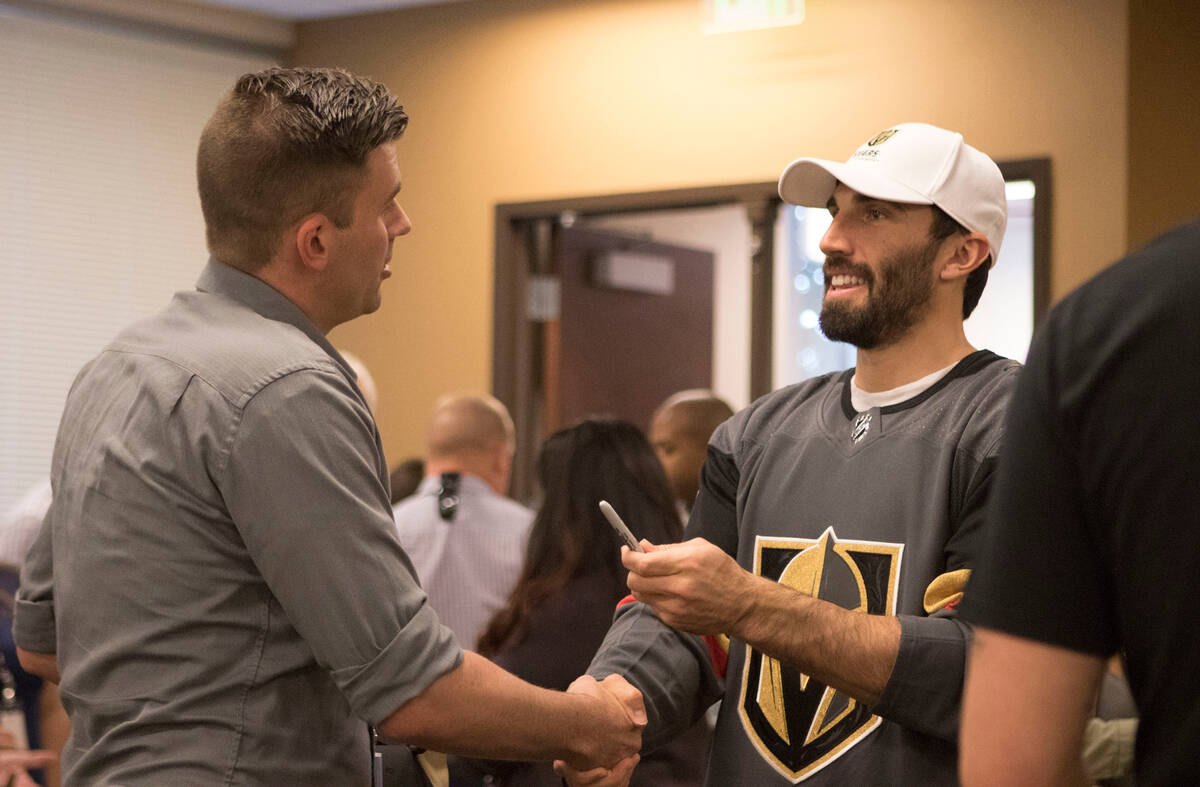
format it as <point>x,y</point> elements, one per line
<point>1092,532</point>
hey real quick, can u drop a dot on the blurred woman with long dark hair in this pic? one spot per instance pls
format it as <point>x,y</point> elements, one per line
<point>564,601</point>
<point>571,546</point>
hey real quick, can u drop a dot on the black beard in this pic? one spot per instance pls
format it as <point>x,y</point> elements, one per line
<point>903,296</point>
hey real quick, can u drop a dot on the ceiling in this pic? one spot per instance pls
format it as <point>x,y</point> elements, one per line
<point>298,10</point>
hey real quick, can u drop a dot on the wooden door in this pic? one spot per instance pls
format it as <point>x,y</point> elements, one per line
<point>635,325</point>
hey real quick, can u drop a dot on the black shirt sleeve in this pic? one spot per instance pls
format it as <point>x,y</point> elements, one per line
<point>1040,573</point>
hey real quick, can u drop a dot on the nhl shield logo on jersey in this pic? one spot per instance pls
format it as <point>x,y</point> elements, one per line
<point>797,723</point>
<point>861,425</point>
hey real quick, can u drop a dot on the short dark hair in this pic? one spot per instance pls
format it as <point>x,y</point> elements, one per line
<point>284,143</point>
<point>943,227</point>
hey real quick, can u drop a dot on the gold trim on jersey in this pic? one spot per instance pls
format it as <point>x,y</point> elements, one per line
<point>946,590</point>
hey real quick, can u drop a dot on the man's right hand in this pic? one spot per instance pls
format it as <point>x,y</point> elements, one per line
<point>620,717</point>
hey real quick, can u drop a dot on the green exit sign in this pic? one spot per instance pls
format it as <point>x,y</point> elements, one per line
<point>729,16</point>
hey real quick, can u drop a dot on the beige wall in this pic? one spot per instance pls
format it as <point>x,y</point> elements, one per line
<point>1164,115</point>
<point>526,99</point>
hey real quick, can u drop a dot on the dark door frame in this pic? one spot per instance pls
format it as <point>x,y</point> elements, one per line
<point>1038,171</point>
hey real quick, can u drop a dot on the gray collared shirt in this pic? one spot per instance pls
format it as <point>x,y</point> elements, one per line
<point>219,572</point>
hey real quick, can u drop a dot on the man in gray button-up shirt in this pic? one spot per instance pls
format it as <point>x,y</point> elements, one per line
<point>218,583</point>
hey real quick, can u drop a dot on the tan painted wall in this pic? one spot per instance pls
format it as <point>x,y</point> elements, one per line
<point>1164,115</point>
<point>526,99</point>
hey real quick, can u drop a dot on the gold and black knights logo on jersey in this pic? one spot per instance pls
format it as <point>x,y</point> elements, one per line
<point>797,723</point>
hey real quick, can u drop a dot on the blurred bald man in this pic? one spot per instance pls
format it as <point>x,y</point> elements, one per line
<point>363,379</point>
<point>679,432</point>
<point>465,538</point>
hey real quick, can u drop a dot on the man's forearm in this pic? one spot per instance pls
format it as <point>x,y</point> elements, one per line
<point>850,651</point>
<point>697,587</point>
<point>1025,707</point>
<point>480,710</point>
<point>44,665</point>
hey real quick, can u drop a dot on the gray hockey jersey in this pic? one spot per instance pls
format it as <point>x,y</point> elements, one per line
<point>881,511</point>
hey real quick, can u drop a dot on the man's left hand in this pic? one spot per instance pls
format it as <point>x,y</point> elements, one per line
<point>694,586</point>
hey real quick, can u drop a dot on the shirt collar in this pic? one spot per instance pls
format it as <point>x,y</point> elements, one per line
<point>218,278</point>
<point>863,400</point>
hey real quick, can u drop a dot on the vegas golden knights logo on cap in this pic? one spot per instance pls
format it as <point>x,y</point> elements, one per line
<point>881,137</point>
<point>798,724</point>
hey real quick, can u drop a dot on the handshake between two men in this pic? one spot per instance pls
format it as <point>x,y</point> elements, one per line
<point>692,586</point>
<point>593,731</point>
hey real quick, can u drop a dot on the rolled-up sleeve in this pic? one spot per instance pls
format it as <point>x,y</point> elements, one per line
<point>302,482</point>
<point>33,622</point>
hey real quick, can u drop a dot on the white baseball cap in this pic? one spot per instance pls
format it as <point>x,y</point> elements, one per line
<point>915,163</point>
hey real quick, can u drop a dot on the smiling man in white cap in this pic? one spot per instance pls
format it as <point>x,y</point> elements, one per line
<point>907,192</point>
<point>837,519</point>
